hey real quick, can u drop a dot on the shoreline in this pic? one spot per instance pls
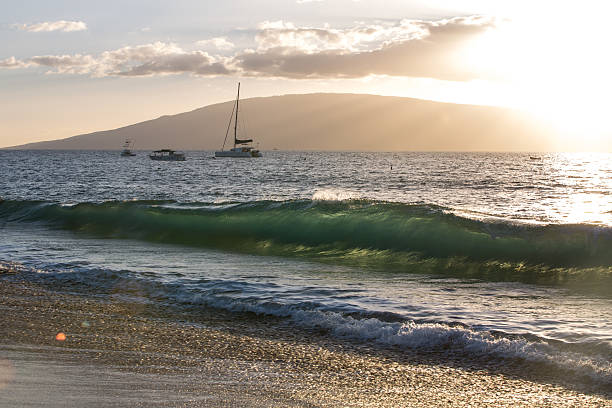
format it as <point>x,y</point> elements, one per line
<point>218,358</point>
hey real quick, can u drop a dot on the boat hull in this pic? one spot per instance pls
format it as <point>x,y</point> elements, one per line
<point>229,153</point>
<point>166,158</point>
<point>167,155</point>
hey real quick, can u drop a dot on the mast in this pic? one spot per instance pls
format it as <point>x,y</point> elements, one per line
<point>236,122</point>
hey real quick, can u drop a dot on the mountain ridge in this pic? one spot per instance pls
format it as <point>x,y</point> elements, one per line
<point>328,121</point>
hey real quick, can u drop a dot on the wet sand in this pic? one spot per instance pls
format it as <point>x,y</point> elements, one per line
<point>123,352</point>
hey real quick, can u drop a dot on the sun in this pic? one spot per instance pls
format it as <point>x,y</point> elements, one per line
<point>553,62</point>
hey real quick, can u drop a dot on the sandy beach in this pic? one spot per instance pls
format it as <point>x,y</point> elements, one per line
<point>119,352</point>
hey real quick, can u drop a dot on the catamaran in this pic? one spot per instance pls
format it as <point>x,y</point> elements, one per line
<point>242,147</point>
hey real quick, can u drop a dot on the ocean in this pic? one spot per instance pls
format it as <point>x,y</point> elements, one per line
<point>505,257</point>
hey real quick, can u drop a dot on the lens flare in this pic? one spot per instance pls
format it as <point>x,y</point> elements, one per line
<point>7,373</point>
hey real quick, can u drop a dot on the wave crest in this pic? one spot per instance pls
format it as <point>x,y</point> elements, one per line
<point>390,236</point>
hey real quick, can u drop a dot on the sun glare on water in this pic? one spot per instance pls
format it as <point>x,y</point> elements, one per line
<point>586,174</point>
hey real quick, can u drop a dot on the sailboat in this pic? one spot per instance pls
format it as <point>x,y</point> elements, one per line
<point>242,147</point>
<point>127,149</point>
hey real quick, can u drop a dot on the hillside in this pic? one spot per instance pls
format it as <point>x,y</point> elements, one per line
<point>330,122</point>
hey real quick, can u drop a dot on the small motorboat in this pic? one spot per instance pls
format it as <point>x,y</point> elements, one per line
<point>167,155</point>
<point>127,149</point>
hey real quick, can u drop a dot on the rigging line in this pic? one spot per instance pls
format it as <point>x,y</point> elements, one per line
<point>228,126</point>
<point>236,123</point>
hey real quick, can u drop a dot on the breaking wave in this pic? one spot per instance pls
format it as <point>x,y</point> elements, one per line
<point>391,236</point>
<point>587,360</point>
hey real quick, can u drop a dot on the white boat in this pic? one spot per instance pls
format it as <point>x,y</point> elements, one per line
<point>127,149</point>
<point>167,155</point>
<point>238,152</point>
<point>242,147</point>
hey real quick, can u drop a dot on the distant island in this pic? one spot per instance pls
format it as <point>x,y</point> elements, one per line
<point>342,122</point>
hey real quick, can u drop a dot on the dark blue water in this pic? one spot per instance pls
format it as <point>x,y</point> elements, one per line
<point>498,255</point>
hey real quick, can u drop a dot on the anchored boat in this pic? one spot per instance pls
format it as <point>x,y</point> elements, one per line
<point>127,149</point>
<point>167,155</point>
<point>242,147</point>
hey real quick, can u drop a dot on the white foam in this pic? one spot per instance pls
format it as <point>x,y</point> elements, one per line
<point>409,335</point>
<point>426,336</point>
<point>334,195</point>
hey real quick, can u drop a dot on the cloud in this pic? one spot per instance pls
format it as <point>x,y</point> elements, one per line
<point>143,60</point>
<point>12,62</point>
<point>411,49</point>
<point>65,64</point>
<point>279,34</point>
<point>407,48</point>
<point>220,43</point>
<point>61,25</point>
<point>160,58</point>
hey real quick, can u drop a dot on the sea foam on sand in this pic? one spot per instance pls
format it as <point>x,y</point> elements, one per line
<point>130,354</point>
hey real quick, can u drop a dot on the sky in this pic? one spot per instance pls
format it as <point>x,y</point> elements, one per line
<point>70,66</point>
